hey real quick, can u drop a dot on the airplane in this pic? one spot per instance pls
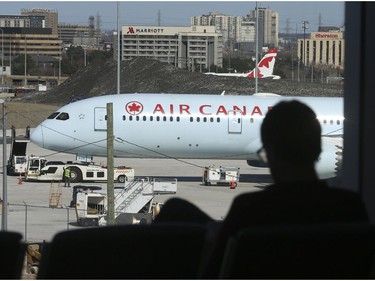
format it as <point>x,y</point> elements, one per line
<point>185,126</point>
<point>265,68</point>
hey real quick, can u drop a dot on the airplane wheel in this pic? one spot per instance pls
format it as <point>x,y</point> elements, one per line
<point>75,175</point>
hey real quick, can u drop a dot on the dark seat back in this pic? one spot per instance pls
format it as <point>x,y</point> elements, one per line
<point>159,251</point>
<point>13,254</point>
<point>324,251</point>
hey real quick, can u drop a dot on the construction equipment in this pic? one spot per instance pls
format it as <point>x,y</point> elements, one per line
<point>221,175</point>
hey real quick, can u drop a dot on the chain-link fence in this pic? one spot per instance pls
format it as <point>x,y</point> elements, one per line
<point>39,223</point>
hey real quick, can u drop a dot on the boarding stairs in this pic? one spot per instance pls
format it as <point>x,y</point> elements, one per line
<point>138,193</point>
<point>134,196</point>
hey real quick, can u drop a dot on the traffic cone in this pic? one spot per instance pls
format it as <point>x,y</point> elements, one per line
<point>232,185</point>
<point>20,180</point>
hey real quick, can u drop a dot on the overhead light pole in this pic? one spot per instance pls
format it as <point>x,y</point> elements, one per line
<point>4,221</point>
<point>256,47</point>
<point>304,47</point>
<point>118,50</point>
<point>2,57</point>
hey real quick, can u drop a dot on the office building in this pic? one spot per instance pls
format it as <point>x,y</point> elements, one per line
<point>79,35</point>
<point>322,48</point>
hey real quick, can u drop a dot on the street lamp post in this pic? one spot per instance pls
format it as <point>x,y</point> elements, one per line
<point>2,57</point>
<point>4,222</point>
<point>304,47</point>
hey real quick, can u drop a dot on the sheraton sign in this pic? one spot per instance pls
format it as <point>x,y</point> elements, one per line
<point>327,35</point>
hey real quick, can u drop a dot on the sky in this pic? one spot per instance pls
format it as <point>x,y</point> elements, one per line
<point>178,13</point>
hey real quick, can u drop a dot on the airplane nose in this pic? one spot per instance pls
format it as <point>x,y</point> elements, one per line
<point>37,136</point>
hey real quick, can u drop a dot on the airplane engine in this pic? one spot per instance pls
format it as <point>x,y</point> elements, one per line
<point>330,160</point>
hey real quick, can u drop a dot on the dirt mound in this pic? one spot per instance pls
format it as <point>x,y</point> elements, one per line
<point>143,75</point>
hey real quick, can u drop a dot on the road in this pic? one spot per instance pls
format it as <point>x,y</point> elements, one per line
<point>29,212</point>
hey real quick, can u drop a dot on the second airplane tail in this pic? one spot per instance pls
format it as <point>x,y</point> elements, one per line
<point>265,66</point>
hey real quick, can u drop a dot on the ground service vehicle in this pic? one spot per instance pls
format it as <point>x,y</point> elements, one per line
<point>80,172</point>
<point>17,163</point>
<point>221,175</point>
<point>133,202</point>
<point>34,165</point>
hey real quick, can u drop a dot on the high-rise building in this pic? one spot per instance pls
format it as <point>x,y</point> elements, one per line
<point>16,21</point>
<point>268,26</point>
<point>239,32</point>
<point>229,26</point>
<point>51,18</point>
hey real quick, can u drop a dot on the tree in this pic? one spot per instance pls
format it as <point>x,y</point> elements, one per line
<point>74,59</point>
<point>18,65</point>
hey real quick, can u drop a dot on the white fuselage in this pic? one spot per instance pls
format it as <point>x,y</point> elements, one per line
<point>172,125</point>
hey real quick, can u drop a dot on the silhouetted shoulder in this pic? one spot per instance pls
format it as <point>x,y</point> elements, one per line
<point>298,202</point>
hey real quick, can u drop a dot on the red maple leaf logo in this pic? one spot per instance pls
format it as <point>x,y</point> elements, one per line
<point>134,107</point>
<point>266,62</point>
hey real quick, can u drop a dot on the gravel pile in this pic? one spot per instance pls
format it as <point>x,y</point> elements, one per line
<point>143,75</point>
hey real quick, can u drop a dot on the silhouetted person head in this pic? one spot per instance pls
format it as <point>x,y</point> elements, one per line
<point>291,137</point>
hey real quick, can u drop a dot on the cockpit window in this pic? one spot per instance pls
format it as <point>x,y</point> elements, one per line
<point>53,115</point>
<point>63,116</point>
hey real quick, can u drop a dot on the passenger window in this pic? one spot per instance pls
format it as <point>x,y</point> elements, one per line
<point>53,115</point>
<point>144,118</point>
<point>130,118</point>
<point>100,174</point>
<point>178,119</point>
<point>164,118</point>
<point>158,118</point>
<point>151,118</point>
<point>63,116</point>
<point>191,119</point>
<point>211,119</point>
<point>137,118</point>
<point>204,119</point>
<point>123,117</point>
<point>90,174</point>
<point>198,119</point>
<point>171,119</point>
<point>218,119</point>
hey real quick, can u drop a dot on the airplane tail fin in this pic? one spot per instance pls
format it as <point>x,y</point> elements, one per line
<point>265,66</point>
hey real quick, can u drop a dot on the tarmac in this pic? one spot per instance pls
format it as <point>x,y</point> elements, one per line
<point>30,214</point>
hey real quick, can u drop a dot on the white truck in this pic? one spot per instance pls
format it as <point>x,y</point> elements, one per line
<point>34,165</point>
<point>17,163</point>
<point>80,172</point>
<point>221,175</point>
